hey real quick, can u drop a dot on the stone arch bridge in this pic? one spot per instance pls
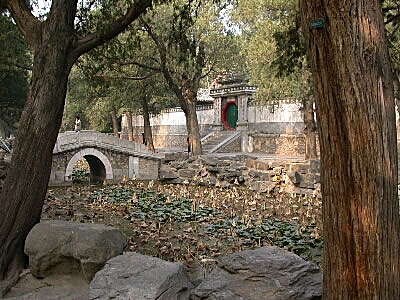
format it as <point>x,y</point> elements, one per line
<point>110,158</point>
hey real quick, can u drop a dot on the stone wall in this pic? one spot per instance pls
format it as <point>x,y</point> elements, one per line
<point>169,127</point>
<point>291,176</point>
<point>281,144</point>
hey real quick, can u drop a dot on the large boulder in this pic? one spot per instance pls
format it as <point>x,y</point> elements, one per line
<point>65,247</point>
<point>265,273</point>
<point>136,276</point>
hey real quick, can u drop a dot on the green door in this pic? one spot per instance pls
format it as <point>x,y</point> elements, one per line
<point>231,115</point>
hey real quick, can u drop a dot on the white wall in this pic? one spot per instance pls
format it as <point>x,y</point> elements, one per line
<point>174,118</point>
<point>285,112</point>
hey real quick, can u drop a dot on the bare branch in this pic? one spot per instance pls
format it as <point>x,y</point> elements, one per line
<point>163,64</point>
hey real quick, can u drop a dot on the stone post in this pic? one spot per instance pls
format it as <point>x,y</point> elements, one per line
<point>217,126</point>
<point>242,124</point>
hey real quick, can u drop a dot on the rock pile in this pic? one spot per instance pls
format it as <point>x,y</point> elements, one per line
<point>259,175</point>
<point>265,273</point>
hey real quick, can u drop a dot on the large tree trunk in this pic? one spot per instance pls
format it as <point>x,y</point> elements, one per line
<point>193,128</point>
<point>114,122</point>
<point>130,127</point>
<point>56,46</point>
<point>310,129</point>
<point>353,88</point>
<point>147,128</point>
<point>26,184</point>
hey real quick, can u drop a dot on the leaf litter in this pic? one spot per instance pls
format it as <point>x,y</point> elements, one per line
<point>191,223</point>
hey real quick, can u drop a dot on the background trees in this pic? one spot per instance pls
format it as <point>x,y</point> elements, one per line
<point>276,59</point>
<point>15,65</point>
<point>170,51</point>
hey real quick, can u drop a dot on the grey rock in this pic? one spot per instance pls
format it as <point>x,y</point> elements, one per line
<point>55,287</point>
<point>265,273</point>
<point>68,247</point>
<point>166,173</point>
<point>295,177</point>
<point>213,169</point>
<point>262,186</point>
<point>187,173</point>
<point>178,164</point>
<point>210,161</point>
<point>139,277</point>
<point>315,165</point>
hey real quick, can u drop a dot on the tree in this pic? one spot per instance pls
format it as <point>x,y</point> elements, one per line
<point>15,65</point>
<point>353,88</point>
<point>56,44</point>
<point>183,76</point>
<point>276,58</point>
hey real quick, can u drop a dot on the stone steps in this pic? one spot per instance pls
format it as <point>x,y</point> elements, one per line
<point>215,140</point>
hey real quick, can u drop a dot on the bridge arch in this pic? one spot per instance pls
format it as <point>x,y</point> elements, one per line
<point>100,166</point>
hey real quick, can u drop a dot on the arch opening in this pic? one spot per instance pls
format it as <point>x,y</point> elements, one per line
<point>97,169</point>
<point>97,165</point>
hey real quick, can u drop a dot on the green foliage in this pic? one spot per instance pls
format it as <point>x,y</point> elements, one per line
<point>273,49</point>
<point>252,232</point>
<point>80,175</point>
<point>391,11</point>
<point>15,62</point>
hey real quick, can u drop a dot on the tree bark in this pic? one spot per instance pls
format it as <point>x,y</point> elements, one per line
<point>148,135</point>
<point>130,127</point>
<point>353,88</point>
<point>114,122</point>
<point>310,129</point>
<point>193,129</point>
<point>56,46</point>
<point>26,183</point>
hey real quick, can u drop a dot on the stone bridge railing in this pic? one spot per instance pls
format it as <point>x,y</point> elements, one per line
<point>71,140</point>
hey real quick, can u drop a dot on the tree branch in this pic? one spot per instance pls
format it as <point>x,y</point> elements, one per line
<point>98,38</point>
<point>144,66</point>
<point>27,23</point>
<point>163,64</point>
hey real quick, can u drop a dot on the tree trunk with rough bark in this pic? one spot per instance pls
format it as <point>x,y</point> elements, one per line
<point>193,128</point>
<point>114,122</point>
<point>148,135</point>
<point>26,183</point>
<point>56,46</point>
<point>130,126</point>
<point>353,88</point>
<point>310,129</point>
